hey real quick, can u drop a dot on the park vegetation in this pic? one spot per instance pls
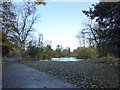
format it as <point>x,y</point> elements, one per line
<point>88,73</point>
<point>100,38</point>
<point>102,30</point>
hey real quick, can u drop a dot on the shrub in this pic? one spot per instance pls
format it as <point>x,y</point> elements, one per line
<point>90,52</point>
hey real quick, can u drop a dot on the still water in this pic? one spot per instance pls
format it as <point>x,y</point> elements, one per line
<point>65,59</point>
<point>62,59</point>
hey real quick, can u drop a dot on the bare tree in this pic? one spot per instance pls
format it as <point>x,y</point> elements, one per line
<point>92,35</point>
<point>40,41</point>
<point>79,38</point>
<point>47,43</point>
<point>26,18</point>
<point>83,37</point>
<point>96,32</point>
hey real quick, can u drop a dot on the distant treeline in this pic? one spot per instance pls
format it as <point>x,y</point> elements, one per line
<point>102,33</point>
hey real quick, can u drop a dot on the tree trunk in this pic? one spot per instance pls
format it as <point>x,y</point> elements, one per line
<point>99,49</point>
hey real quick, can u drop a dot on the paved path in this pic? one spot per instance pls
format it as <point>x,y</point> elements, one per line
<point>16,75</point>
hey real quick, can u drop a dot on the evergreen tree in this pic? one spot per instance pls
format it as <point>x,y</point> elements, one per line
<point>8,21</point>
<point>107,15</point>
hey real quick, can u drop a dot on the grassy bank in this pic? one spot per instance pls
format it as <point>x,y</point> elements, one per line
<point>90,73</point>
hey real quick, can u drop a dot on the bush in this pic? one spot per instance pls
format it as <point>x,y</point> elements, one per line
<point>5,50</point>
<point>90,52</point>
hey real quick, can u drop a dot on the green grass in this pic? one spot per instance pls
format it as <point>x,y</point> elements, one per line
<point>88,73</point>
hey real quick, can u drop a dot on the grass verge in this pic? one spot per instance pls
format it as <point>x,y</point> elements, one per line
<point>90,73</point>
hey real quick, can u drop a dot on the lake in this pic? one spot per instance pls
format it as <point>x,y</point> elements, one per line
<point>63,59</point>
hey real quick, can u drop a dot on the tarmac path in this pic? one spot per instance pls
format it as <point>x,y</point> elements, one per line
<point>17,75</point>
